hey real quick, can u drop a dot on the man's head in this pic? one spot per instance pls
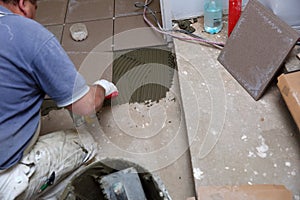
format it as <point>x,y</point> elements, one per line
<point>15,2</point>
<point>27,8</point>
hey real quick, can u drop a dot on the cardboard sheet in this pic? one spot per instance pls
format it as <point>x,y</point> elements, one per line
<point>289,86</point>
<point>244,192</point>
<point>257,48</point>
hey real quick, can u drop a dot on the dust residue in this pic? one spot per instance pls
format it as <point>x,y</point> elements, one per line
<point>244,138</point>
<point>198,174</point>
<point>287,164</point>
<point>262,149</point>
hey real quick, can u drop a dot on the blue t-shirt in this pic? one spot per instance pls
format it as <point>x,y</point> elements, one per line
<point>32,64</point>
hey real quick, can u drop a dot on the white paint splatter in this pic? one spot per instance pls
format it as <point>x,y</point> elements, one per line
<point>251,154</point>
<point>198,174</point>
<point>286,149</point>
<point>293,173</point>
<point>262,149</point>
<point>244,138</point>
<point>214,132</point>
<point>288,164</point>
<point>264,174</point>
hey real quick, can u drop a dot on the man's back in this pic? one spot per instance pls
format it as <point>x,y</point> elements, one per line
<point>32,63</point>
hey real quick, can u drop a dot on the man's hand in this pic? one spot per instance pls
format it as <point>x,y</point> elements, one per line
<point>110,89</point>
<point>93,100</point>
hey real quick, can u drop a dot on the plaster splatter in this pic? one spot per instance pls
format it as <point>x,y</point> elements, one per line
<point>198,174</point>
<point>288,164</point>
<point>262,149</point>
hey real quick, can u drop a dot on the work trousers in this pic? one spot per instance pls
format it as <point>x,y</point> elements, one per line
<point>52,158</point>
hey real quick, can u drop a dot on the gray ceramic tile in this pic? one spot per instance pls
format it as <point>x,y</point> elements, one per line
<point>95,48</point>
<point>94,66</point>
<point>133,32</point>
<point>77,58</point>
<point>254,67</point>
<point>85,10</point>
<point>127,7</point>
<point>99,35</point>
<point>51,12</point>
<point>57,30</point>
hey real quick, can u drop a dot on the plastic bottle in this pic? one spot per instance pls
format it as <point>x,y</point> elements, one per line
<point>213,16</point>
<point>234,13</point>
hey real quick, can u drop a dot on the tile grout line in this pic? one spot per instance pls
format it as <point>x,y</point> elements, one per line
<point>113,26</point>
<point>63,25</point>
<point>66,11</point>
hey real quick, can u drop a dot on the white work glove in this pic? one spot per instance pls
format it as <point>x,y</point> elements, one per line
<point>110,89</point>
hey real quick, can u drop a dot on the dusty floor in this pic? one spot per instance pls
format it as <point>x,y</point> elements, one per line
<point>207,131</point>
<point>233,138</point>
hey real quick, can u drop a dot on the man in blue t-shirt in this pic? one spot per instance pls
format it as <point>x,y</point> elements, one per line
<point>33,64</point>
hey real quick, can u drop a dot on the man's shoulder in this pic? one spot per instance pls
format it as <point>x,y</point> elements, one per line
<point>28,34</point>
<point>26,29</point>
<point>32,26</point>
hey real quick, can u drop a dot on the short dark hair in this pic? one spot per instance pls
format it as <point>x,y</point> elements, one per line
<point>17,1</point>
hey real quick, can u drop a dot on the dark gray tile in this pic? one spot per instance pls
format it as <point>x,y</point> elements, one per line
<point>133,32</point>
<point>57,30</point>
<point>92,55</point>
<point>86,10</point>
<point>99,34</point>
<point>94,65</point>
<point>51,12</point>
<point>257,48</point>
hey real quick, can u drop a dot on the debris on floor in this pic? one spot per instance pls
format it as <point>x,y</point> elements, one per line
<point>292,62</point>
<point>243,192</point>
<point>185,25</point>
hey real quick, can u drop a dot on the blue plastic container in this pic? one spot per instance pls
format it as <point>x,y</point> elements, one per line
<point>213,14</point>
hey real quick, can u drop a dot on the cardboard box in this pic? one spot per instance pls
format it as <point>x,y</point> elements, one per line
<point>243,192</point>
<point>289,86</point>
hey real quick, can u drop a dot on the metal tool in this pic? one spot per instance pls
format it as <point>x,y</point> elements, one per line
<point>48,182</point>
<point>123,185</point>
